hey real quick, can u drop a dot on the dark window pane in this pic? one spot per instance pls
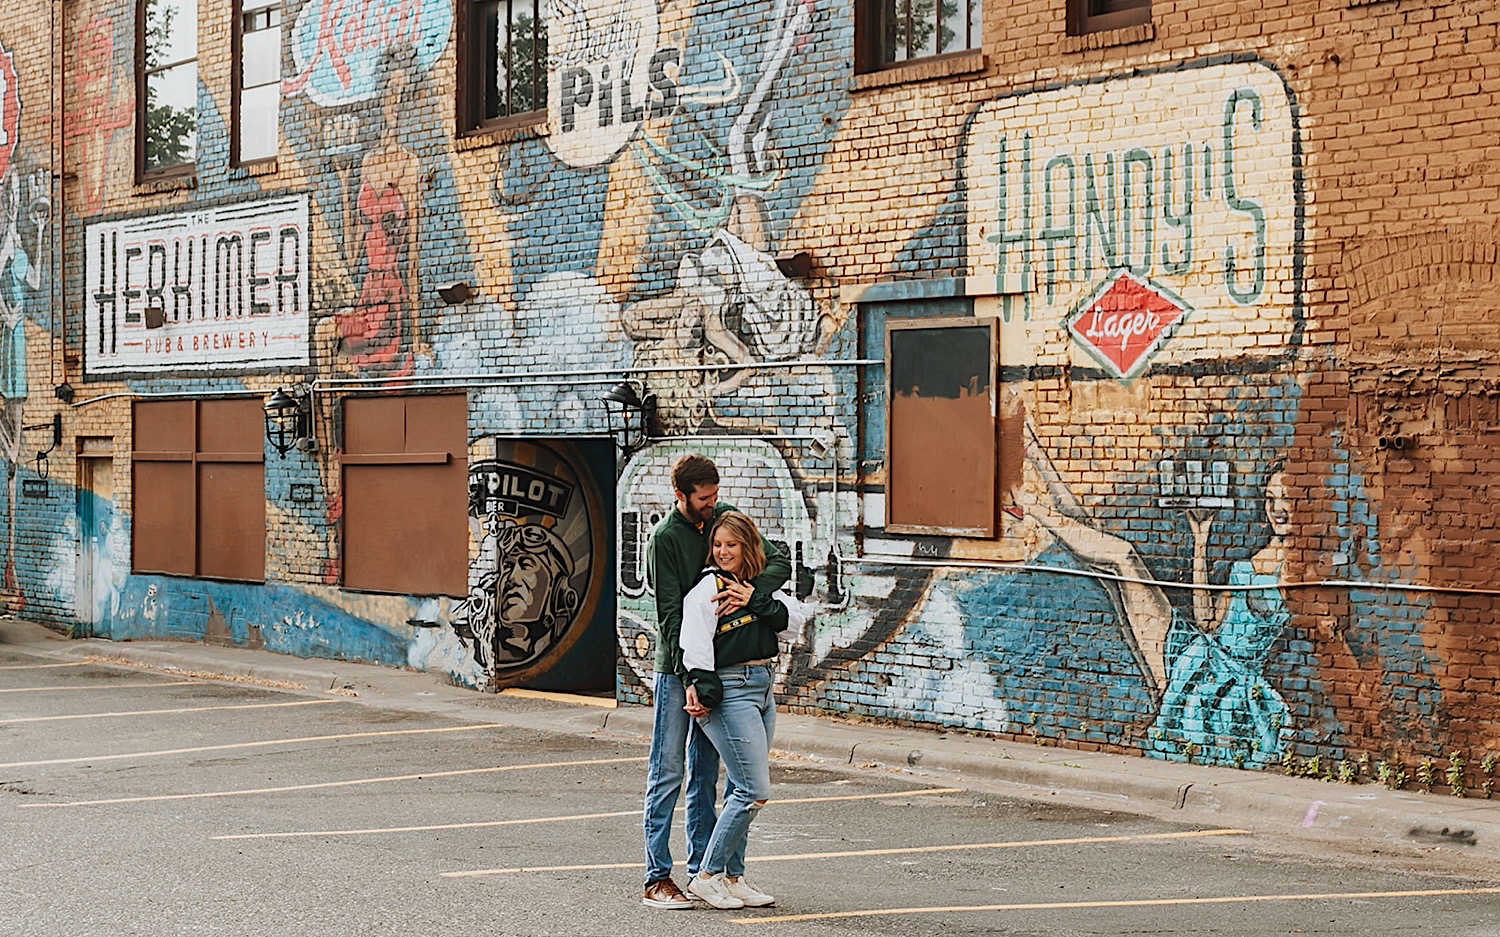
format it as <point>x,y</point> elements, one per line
<point>894,15</point>
<point>914,29</point>
<point>487,25</point>
<point>1087,16</point>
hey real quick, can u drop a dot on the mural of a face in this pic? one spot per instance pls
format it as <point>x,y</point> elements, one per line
<point>533,595</point>
<point>531,516</point>
<point>1278,505</point>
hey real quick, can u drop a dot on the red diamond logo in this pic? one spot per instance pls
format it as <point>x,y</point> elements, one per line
<point>1125,321</point>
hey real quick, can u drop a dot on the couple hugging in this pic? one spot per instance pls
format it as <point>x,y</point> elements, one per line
<point>715,664</point>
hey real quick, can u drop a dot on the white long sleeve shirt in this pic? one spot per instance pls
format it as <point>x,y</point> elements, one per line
<point>700,619</point>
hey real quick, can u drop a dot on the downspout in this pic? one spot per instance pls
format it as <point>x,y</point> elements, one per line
<point>60,188</point>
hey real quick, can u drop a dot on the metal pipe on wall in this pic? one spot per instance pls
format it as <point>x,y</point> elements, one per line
<point>59,188</point>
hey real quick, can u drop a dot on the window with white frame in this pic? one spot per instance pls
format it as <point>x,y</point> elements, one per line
<point>257,80</point>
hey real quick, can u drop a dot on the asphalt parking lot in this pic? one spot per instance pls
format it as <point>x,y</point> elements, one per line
<point>137,802</point>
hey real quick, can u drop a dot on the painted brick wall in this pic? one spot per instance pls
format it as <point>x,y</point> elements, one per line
<point>1251,528</point>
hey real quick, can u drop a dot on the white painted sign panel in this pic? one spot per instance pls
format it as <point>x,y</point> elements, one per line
<point>1155,216</point>
<point>604,76</point>
<point>210,290</point>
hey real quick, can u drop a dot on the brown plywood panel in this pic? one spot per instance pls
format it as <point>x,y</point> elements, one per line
<point>375,424</point>
<point>941,459</point>
<point>437,423</point>
<point>232,521</point>
<point>234,425</point>
<point>942,464</point>
<point>405,529</point>
<point>164,425</point>
<point>162,534</point>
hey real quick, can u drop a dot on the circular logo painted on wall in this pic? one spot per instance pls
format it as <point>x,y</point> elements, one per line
<point>534,576</point>
<point>601,68</point>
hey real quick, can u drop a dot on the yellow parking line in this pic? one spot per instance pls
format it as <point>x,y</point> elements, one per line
<point>574,699</point>
<point>893,851</point>
<point>351,783</point>
<point>101,686</point>
<point>479,824</point>
<point>170,712</point>
<point>1129,903</point>
<point>76,663</point>
<point>230,747</point>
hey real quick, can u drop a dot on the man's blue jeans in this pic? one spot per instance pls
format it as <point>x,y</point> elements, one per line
<point>741,728</point>
<point>678,748</point>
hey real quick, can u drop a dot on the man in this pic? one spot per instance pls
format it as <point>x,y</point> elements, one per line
<point>678,552</point>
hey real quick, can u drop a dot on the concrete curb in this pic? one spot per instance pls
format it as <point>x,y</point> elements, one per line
<point>1364,816</point>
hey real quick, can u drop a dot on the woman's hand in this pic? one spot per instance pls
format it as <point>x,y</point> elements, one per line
<point>736,595</point>
<point>694,708</point>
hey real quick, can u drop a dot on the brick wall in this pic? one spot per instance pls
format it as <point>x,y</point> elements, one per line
<point>1251,527</point>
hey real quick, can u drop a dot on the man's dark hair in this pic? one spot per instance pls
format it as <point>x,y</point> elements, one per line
<point>692,470</point>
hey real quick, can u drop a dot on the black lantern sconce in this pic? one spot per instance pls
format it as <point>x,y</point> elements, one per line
<point>289,422</point>
<point>631,415</point>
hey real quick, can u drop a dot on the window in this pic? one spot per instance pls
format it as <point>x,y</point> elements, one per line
<point>942,431</point>
<point>257,80</point>
<point>198,489</point>
<point>891,32</point>
<point>406,494</point>
<point>505,81</point>
<point>167,91</point>
<point>1092,16</point>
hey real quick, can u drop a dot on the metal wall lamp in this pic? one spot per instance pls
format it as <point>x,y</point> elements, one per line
<point>289,421</point>
<point>630,415</point>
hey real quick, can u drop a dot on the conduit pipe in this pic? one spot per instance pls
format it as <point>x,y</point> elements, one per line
<point>329,386</point>
<point>880,560</point>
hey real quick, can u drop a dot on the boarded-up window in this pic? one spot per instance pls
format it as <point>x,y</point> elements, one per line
<point>198,491</point>
<point>406,490</point>
<point>941,428</point>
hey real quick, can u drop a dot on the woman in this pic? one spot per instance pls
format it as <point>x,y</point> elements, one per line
<point>1216,696</point>
<point>1216,705</point>
<point>731,664</point>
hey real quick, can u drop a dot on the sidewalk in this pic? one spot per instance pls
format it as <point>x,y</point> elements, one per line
<point>1367,817</point>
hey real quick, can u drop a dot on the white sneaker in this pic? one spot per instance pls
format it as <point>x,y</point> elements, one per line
<point>752,897</point>
<point>715,891</point>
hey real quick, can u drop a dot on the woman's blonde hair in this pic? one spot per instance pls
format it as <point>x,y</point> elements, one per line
<point>742,530</point>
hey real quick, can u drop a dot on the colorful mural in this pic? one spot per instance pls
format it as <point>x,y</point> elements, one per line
<point>25,248</point>
<point>535,576</point>
<point>338,47</point>
<point>703,211</point>
<point>99,109</point>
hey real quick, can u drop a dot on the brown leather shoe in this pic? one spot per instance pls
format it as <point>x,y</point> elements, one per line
<point>665,894</point>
